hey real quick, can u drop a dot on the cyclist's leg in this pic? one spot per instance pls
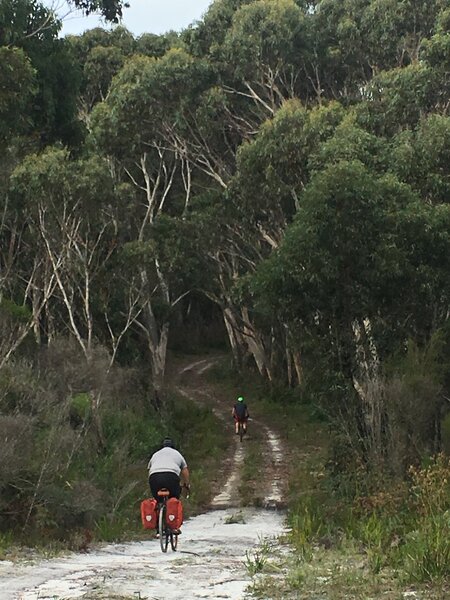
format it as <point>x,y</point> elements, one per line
<point>173,485</point>
<point>244,424</point>
<point>157,481</point>
<point>236,425</point>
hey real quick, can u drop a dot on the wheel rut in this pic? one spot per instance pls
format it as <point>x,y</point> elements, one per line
<point>191,384</point>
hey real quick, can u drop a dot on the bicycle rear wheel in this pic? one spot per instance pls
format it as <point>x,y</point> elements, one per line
<point>162,528</point>
<point>241,431</point>
<point>173,541</point>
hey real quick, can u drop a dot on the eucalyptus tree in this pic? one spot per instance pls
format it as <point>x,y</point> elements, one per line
<point>361,270</point>
<point>353,40</point>
<point>272,171</point>
<point>72,218</point>
<point>100,55</point>
<point>263,47</point>
<point>421,157</point>
<point>136,126</point>
<point>30,26</point>
<point>17,89</point>
<point>72,229</point>
<point>151,44</point>
<point>112,10</point>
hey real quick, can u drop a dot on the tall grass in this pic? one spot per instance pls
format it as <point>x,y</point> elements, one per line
<point>406,528</point>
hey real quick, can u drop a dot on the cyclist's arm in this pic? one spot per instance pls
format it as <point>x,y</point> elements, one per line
<point>184,475</point>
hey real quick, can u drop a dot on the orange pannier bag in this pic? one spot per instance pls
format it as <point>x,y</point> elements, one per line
<point>149,513</point>
<point>174,513</point>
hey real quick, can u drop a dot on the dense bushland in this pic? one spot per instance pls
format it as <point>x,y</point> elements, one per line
<point>71,469</point>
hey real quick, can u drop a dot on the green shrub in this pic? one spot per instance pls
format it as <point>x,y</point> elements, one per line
<point>6,541</point>
<point>111,528</point>
<point>427,549</point>
<point>308,521</point>
<point>445,432</point>
<point>80,408</point>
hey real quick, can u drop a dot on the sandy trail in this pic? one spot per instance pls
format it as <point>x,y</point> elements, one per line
<point>215,569</point>
<point>210,562</point>
<point>274,458</point>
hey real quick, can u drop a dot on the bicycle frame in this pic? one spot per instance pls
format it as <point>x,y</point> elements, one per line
<point>166,534</point>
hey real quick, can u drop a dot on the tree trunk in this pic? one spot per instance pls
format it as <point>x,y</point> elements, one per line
<point>256,346</point>
<point>234,336</point>
<point>157,345</point>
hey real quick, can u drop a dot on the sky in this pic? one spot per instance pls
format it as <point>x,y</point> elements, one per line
<point>143,16</point>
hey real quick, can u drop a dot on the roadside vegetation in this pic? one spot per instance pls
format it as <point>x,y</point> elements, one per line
<point>355,532</point>
<point>92,477</point>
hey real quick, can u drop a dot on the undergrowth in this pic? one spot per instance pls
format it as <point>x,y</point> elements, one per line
<point>100,496</point>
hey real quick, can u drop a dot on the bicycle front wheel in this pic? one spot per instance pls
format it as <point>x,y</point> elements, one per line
<point>162,529</point>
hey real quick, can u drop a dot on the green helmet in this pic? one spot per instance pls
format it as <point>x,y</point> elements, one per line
<point>241,399</point>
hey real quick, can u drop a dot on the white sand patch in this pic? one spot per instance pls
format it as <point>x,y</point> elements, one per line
<point>193,366</point>
<point>230,495</point>
<point>274,498</point>
<point>209,564</point>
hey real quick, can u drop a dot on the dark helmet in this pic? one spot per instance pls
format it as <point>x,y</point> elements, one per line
<point>167,443</point>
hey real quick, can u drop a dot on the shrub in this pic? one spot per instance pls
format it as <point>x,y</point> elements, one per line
<point>427,549</point>
<point>430,487</point>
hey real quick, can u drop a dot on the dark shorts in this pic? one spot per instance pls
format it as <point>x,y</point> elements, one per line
<point>240,419</point>
<point>166,480</point>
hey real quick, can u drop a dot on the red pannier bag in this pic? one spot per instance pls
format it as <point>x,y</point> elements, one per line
<point>174,513</point>
<point>149,513</point>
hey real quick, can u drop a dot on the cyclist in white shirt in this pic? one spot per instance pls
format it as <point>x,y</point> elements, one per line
<point>167,468</point>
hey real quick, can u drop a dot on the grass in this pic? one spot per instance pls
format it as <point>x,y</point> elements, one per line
<point>257,560</point>
<point>204,443</point>
<point>251,486</point>
<point>6,541</point>
<point>235,518</point>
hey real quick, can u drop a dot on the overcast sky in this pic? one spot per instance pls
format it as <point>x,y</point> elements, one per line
<point>143,16</point>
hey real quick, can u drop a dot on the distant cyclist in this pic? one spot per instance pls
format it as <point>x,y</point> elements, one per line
<point>240,414</point>
<point>166,468</point>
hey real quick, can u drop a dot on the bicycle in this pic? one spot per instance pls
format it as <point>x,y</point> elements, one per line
<point>166,533</point>
<point>241,430</point>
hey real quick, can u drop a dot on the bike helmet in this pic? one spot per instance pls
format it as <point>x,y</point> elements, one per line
<point>240,399</point>
<point>167,443</point>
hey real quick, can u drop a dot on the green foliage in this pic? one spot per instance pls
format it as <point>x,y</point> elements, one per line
<point>80,407</point>
<point>6,541</point>
<point>427,550</point>
<point>17,88</point>
<point>111,10</point>
<point>141,431</point>
<point>398,526</point>
<point>13,310</point>
<point>264,34</point>
<point>111,528</point>
<point>49,74</point>
<point>256,560</point>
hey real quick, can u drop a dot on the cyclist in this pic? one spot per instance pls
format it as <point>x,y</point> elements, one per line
<point>240,414</point>
<point>166,468</point>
